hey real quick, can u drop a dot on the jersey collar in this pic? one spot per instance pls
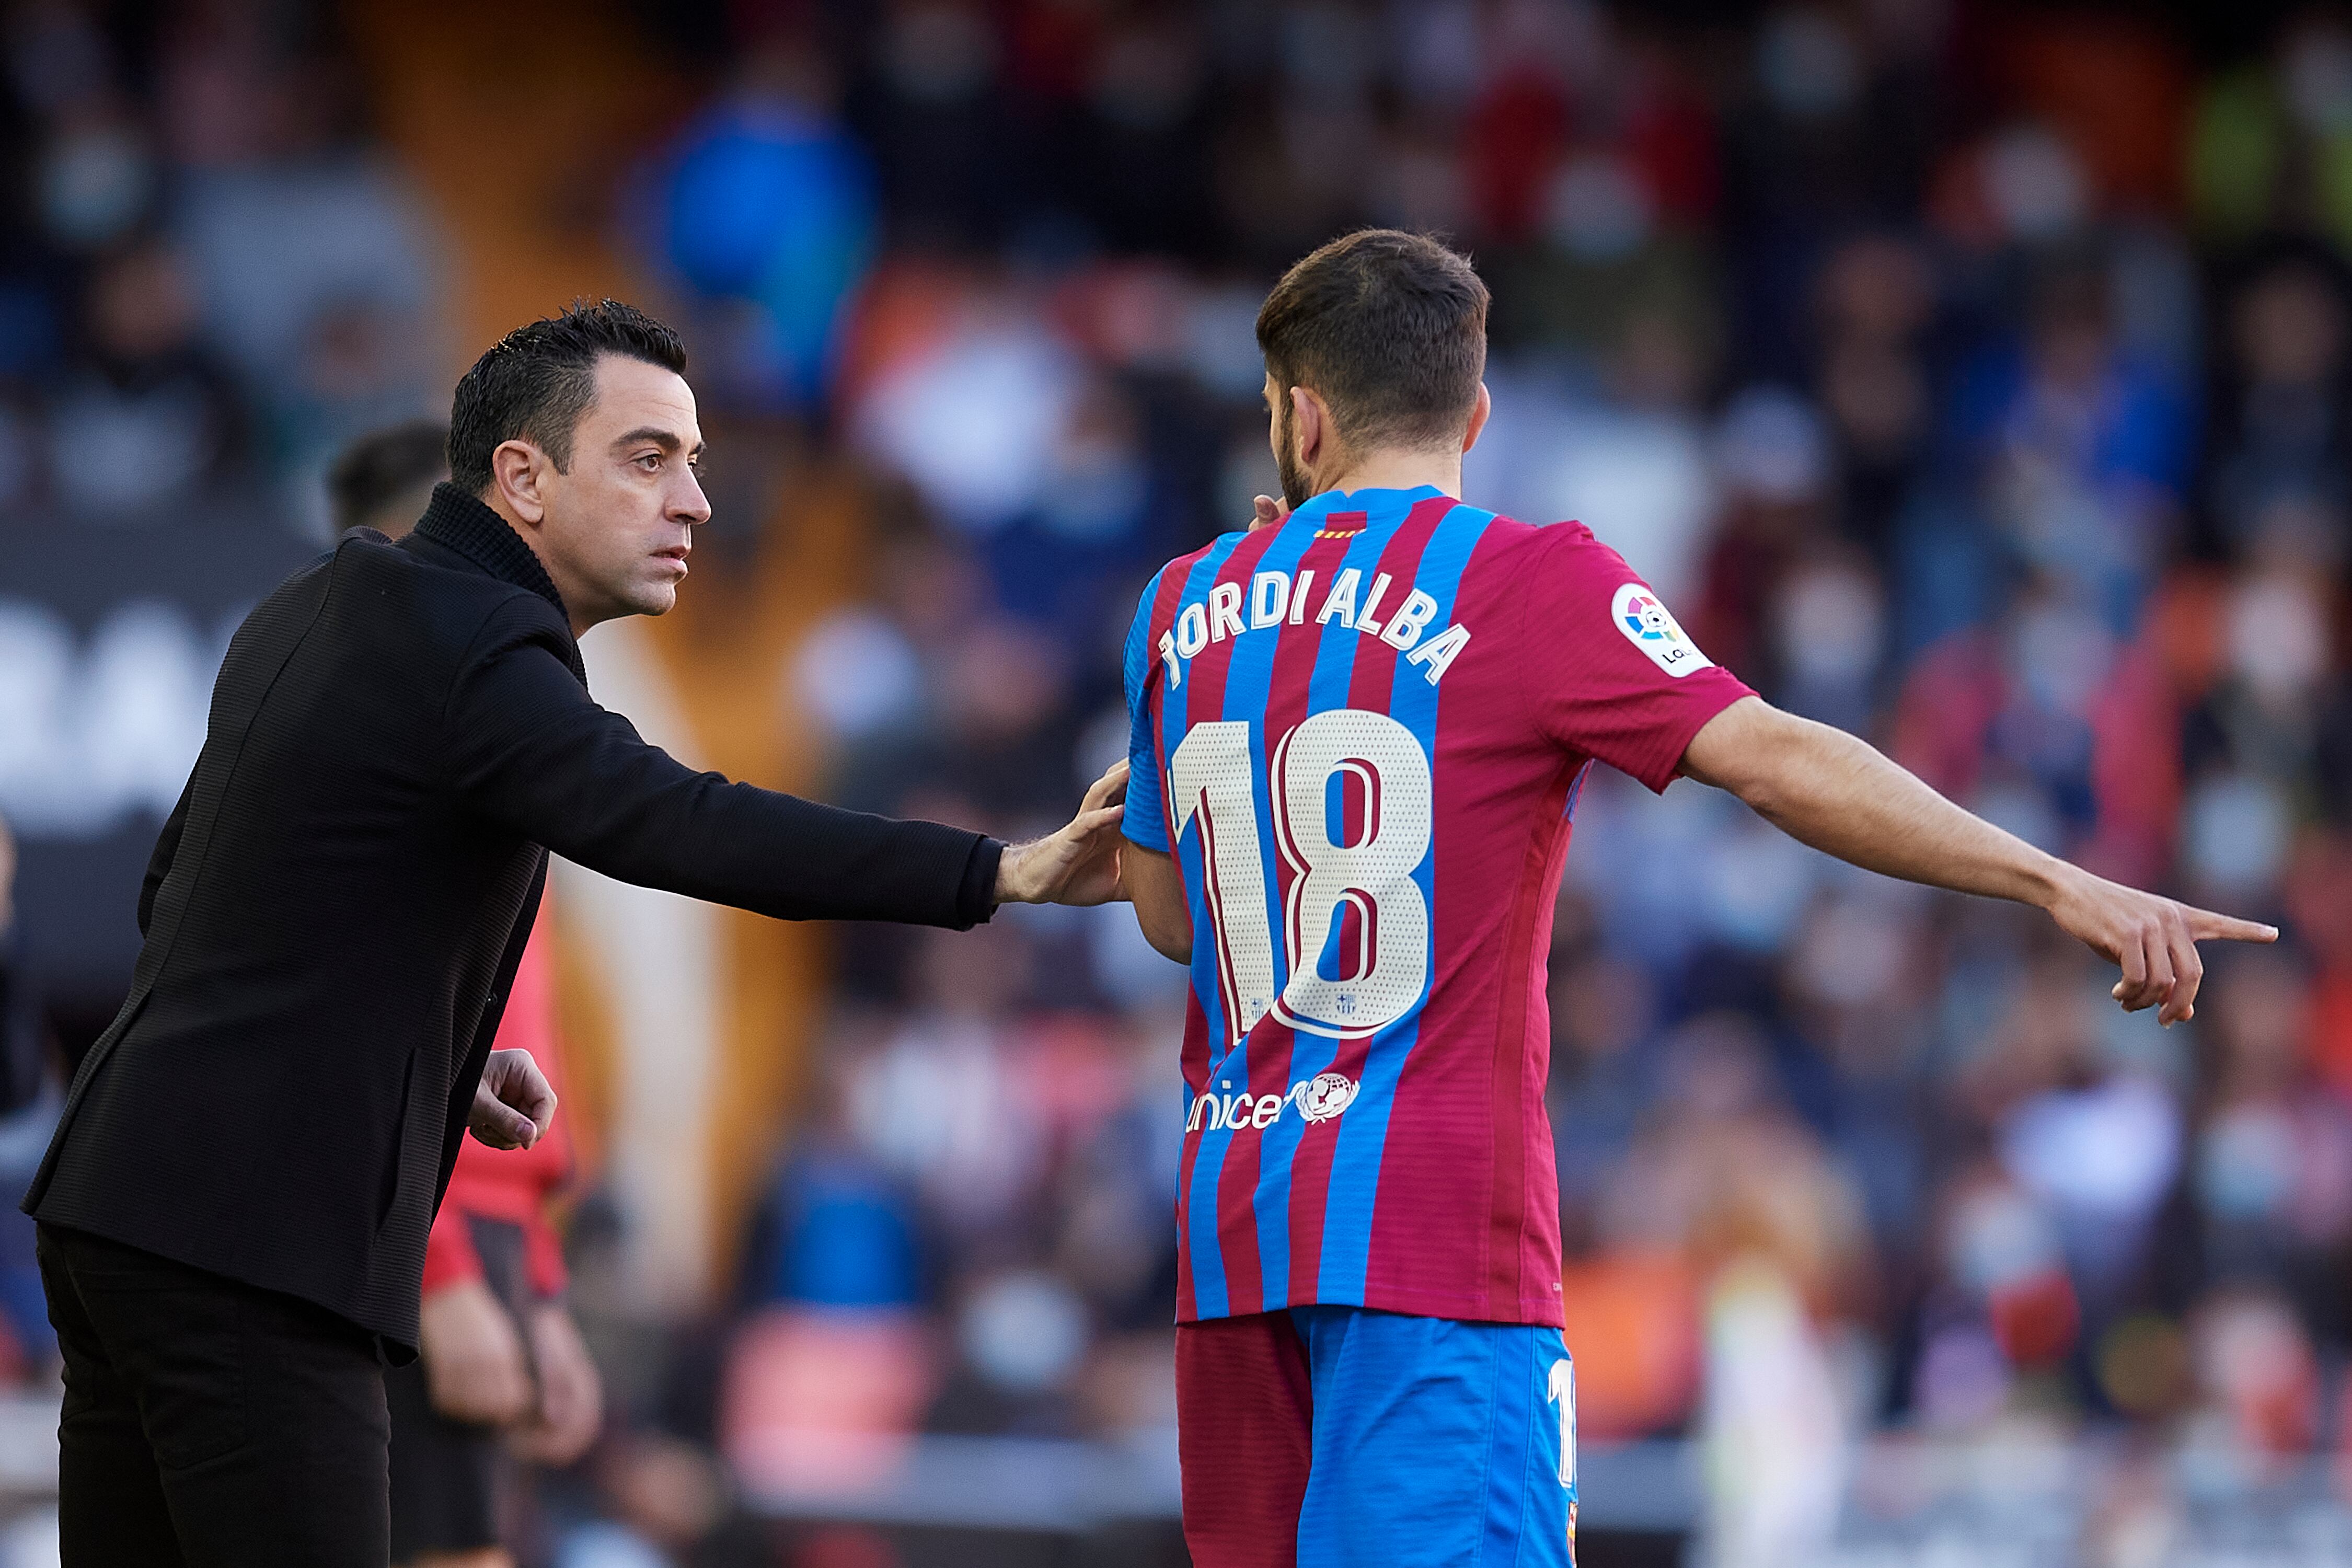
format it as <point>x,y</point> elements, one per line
<point>1374,502</point>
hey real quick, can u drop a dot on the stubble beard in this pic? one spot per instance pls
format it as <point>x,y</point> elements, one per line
<point>1297,484</point>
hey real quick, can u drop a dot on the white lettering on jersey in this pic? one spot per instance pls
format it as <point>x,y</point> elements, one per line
<point>1437,655</point>
<point>1224,611</point>
<point>1405,627</point>
<point>1275,600</point>
<point>1323,1098</point>
<point>1269,597</point>
<point>1341,602</point>
<point>1191,631</point>
<point>1364,621</point>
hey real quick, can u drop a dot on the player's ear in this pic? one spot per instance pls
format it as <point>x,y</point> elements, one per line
<point>1313,422</point>
<point>1478,413</point>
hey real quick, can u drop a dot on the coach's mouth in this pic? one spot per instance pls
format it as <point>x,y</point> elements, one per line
<point>676,555</point>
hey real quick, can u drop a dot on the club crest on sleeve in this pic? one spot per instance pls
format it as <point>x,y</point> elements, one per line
<point>1651,627</point>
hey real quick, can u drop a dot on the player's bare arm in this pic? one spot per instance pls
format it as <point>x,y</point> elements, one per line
<point>1826,788</point>
<point>1156,883</point>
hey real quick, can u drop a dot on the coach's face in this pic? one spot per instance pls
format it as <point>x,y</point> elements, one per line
<point>614,524</point>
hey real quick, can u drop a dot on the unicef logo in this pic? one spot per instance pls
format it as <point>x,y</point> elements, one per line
<point>1325,1097</point>
<point>1319,1099</point>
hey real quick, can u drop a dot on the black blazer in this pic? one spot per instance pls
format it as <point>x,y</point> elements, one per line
<point>398,736</point>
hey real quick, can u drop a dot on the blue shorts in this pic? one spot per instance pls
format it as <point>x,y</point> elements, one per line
<point>1337,1435</point>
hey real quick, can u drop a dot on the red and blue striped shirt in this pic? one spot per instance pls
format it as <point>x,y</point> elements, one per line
<point>1361,731</point>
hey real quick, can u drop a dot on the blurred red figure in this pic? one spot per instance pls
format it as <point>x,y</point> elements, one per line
<point>501,1374</point>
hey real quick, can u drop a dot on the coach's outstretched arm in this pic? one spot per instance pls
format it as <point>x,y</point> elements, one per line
<point>1840,795</point>
<point>528,748</point>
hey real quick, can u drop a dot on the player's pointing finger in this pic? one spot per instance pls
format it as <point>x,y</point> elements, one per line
<point>2204,925</point>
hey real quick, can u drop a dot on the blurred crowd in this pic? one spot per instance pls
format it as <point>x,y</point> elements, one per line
<point>1978,379</point>
<point>209,278</point>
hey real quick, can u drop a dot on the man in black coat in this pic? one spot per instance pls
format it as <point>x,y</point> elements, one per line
<point>235,1208</point>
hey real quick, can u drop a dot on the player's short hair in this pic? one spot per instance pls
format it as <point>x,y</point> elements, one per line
<point>535,382</point>
<point>1389,327</point>
<point>383,467</point>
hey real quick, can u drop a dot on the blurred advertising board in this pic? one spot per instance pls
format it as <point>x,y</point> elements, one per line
<point>109,637</point>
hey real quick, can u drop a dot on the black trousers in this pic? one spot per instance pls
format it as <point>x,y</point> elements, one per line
<point>209,1423</point>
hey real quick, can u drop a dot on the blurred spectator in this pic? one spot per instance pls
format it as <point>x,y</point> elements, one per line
<point>151,416</point>
<point>764,209</point>
<point>382,481</point>
<point>829,1373</point>
<point>316,266</point>
<point>2273,1160</point>
<point>2080,449</point>
<point>2279,480</point>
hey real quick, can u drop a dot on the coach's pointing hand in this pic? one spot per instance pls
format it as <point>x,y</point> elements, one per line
<point>513,1104</point>
<point>1079,865</point>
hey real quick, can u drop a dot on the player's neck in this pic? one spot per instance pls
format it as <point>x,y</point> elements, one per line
<point>1394,469</point>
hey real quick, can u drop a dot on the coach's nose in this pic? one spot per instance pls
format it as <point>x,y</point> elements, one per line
<point>688,504</point>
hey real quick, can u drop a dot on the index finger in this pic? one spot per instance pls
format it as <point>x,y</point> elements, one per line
<point>1102,789</point>
<point>2204,925</point>
<point>1094,820</point>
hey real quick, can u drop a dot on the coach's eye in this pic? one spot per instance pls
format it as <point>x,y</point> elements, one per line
<point>650,462</point>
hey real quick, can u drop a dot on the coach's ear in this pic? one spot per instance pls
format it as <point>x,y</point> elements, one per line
<point>1478,413</point>
<point>516,471</point>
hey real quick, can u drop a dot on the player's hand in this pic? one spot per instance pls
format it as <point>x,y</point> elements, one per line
<point>513,1105</point>
<point>2152,939</point>
<point>473,1366</point>
<point>1266,512</point>
<point>570,1396</point>
<point>1079,865</point>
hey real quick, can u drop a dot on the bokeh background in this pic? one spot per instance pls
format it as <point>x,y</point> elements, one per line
<point>1976,377</point>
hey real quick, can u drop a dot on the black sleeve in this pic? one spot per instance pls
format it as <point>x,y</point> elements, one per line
<point>532,751</point>
<point>167,847</point>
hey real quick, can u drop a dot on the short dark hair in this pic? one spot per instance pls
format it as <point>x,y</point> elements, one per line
<point>1389,327</point>
<point>535,382</point>
<point>383,466</point>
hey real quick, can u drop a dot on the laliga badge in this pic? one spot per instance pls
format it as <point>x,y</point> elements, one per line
<point>1651,627</point>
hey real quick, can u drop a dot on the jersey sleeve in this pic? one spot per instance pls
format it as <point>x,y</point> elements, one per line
<point>1608,671</point>
<point>1146,823</point>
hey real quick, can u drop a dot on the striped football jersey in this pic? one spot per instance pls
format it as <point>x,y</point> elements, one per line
<point>1361,731</point>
